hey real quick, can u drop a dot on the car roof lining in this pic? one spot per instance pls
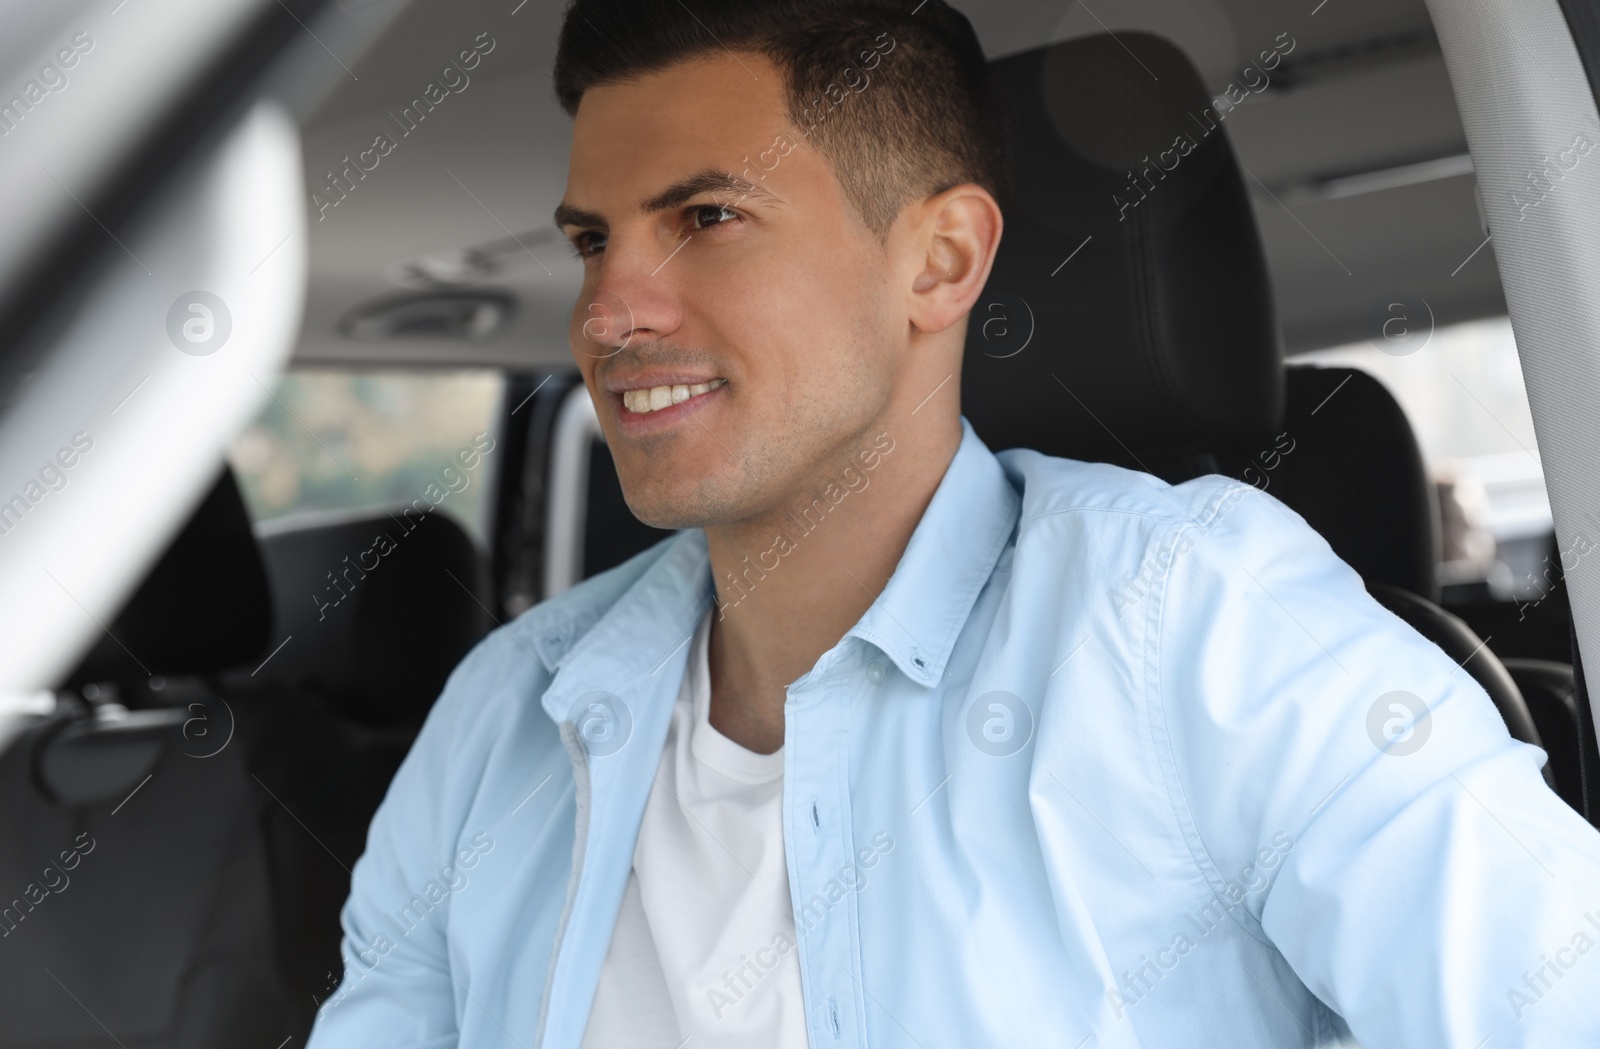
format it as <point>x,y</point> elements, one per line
<point>1364,90</point>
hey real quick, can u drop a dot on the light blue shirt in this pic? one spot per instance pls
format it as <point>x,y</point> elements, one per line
<point>1108,763</point>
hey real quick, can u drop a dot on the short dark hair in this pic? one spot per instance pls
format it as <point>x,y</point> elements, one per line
<point>895,95</point>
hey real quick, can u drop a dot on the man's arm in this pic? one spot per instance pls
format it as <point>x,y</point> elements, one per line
<point>1435,892</point>
<point>398,991</point>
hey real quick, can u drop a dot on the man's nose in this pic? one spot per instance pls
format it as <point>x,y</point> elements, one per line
<point>633,301</point>
<point>609,324</point>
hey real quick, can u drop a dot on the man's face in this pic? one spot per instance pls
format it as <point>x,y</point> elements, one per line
<point>774,294</point>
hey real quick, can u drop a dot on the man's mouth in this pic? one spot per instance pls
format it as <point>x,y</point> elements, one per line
<point>643,402</point>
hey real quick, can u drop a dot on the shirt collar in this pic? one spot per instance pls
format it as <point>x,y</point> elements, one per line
<point>952,553</point>
<point>915,621</point>
<point>642,638</point>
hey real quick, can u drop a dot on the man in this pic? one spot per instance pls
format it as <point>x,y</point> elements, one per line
<point>879,749</point>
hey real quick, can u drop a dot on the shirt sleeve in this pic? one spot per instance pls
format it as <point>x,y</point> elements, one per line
<point>398,991</point>
<point>1435,892</point>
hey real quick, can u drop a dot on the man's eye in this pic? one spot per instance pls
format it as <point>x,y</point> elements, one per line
<point>586,244</point>
<point>707,215</point>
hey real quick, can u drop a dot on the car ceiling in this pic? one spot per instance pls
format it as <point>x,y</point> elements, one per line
<point>1355,152</point>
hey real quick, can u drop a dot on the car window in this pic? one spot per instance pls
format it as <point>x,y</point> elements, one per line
<point>1461,387</point>
<point>336,439</point>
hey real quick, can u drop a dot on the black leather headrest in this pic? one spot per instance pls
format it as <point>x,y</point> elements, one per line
<point>380,607</point>
<point>202,609</point>
<point>1357,476</point>
<point>1158,334</point>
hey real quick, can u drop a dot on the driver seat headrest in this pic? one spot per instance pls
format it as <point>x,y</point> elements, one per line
<point>1129,316</point>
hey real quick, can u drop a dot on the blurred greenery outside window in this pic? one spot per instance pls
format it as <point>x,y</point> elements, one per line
<point>335,439</point>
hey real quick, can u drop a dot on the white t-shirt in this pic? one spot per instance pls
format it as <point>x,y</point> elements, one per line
<point>704,952</point>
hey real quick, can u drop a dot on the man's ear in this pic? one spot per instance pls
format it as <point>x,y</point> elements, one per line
<point>949,242</point>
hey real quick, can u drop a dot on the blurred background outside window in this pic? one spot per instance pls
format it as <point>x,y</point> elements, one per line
<point>336,440</point>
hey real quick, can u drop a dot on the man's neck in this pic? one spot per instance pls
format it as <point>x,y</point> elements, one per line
<point>792,582</point>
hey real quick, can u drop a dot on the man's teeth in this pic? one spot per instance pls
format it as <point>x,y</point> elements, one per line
<point>642,402</point>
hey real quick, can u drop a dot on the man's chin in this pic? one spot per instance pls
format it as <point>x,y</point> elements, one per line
<point>673,510</point>
<point>671,520</point>
<point>667,494</point>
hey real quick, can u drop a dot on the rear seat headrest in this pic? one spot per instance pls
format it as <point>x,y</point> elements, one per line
<point>380,605</point>
<point>1357,475</point>
<point>1131,258</point>
<point>203,608</point>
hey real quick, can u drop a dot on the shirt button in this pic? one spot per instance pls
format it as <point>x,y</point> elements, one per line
<point>875,672</point>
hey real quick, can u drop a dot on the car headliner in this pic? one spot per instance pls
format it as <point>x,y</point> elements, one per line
<point>1360,180</point>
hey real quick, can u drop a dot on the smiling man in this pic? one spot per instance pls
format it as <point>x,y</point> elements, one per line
<point>875,750</point>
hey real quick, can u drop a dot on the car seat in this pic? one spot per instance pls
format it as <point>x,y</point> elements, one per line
<point>1137,320</point>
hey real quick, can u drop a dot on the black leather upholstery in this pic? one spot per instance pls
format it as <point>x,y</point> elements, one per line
<point>163,927</point>
<point>381,607</point>
<point>1155,344</point>
<point>207,911</point>
<point>331,716</point>
<point>203,608</point>
<point>160,921</point>
<point>1357,476</point>
<point>1158,340</point>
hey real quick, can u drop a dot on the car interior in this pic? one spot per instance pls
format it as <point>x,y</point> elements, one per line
<point>226,738</point>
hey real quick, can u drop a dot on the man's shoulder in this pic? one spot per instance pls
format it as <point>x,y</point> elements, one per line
<point>1129,533</point>
<point>499,683</point>
<point>1132,502</point>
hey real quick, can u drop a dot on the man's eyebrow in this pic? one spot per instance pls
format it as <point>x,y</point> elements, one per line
<point>567,215</point>
<point>707,181</point>
<point>676,195</point>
